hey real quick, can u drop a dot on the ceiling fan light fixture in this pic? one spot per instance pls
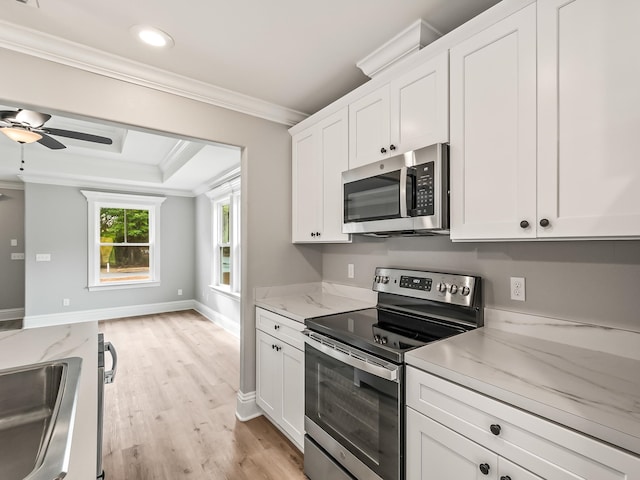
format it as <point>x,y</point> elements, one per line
<point>21,135</point>
<point>152,36</point>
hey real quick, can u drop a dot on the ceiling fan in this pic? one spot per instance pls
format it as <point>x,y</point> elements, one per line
<point>27,126</point>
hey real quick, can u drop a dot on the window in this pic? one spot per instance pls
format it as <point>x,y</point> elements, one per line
<point>226,237</point>
<point>124,248</point>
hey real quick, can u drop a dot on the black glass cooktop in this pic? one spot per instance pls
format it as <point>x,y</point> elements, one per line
<point>381,332</point>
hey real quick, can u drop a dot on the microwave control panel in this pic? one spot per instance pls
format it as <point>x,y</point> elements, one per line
<point>425,189</point>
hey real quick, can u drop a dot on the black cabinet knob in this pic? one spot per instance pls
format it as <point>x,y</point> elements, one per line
<point>273,347</point>
<point>484,468</point>
<point>544,222</point>
<point>317,234</point>
<point>392,147</point>
<point>495,429</point>
<point>505,477</point>
<point>383,150</point>
<point>276,327</point>
<point>524,224</point>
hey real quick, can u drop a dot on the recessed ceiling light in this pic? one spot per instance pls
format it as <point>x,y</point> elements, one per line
<point>152,36</point>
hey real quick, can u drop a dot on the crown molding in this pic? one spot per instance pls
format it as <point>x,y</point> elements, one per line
<point>100,183</point>
<point>48,47</point>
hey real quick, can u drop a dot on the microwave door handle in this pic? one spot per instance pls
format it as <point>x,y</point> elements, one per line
<point>403,191</point>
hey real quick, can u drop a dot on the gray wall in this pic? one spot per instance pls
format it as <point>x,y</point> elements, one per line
<point>268,257</point>
<point>56,223</point>
<point>596,282</point>
<point>11,227</point>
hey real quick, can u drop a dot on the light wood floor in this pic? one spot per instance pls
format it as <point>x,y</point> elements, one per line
<point>171,412</point>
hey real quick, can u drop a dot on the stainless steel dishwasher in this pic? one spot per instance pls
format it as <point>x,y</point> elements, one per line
<point>104,377</point>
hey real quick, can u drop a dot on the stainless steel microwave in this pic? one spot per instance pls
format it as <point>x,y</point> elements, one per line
<point>405,194</point>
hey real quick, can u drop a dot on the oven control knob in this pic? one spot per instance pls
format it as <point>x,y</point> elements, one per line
<point>377,280</point>
<point>377,338</point>
<point>465,291</point>
<point>453,289</point>
<point>442,287</point>
<point>385,280</point>
<point>383,340</point>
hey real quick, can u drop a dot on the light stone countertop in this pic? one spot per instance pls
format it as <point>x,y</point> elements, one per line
<point>303,301</point>
<point>591,383</point>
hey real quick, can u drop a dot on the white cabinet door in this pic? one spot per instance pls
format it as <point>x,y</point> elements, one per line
<point>320,155</point>
<point>493,131</point>
<point>510,471</point>
<point>419,106</point>
<point>369,128</point>
<point>333,135</point>
<point>268,375</point>
<point>293,391</point>
<point>588,125</point>
<point>435,452</point>
<point>307,187</point>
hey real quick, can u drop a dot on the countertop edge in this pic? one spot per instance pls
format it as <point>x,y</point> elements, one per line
<point>612,437</point>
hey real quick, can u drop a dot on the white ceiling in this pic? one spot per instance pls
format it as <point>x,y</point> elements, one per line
<point>295,54</point>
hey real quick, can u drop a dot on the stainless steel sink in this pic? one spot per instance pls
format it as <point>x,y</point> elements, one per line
<point>37,411</point>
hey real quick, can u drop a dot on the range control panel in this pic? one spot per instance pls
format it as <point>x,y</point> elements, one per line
<point>436,286</point>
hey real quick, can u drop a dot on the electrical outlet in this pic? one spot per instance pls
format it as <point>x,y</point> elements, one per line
<point>17,256</point>
<point>66,302</point>
<point>351,272</point>
<point>518,289</point>
<point>179,291</point>
<point>43,257</point>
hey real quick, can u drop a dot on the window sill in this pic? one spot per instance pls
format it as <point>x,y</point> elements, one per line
<point>122,286</point>
<point>226,291</point>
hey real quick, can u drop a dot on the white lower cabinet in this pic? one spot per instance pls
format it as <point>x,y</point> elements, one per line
<point>437,452</point>
<point>457,433</point>
<point>280,373</point>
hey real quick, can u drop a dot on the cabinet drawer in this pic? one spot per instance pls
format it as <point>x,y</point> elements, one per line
<point>544,447</point>
<point>280,327</point>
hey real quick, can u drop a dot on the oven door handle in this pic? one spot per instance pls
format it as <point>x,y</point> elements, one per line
<point>376,369</point>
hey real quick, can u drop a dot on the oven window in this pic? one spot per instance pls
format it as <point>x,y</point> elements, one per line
<point>374,198</point>
<point>351,410</point>
<point>359,410</point>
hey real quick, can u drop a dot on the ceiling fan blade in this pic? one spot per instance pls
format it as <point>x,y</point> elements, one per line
<point>79,136</point>
<point>50,142</point>
<point>31,118</point>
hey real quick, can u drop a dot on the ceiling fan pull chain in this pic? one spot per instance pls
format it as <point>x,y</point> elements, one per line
<point>22,157</point>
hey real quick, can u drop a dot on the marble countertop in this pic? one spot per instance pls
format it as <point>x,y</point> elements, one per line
<point>299,302</point>
<point>585,385</point>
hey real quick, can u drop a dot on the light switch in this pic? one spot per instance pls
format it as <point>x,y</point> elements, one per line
<point>43,257</point>
<point>14,242</point>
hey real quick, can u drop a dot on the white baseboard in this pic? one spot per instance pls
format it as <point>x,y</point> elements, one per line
<point>226,323</point>
<point>11,314</point>
<point>33,321</point>
<point>246,407</point>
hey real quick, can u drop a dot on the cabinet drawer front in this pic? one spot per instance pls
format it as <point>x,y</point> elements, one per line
<point>544,447</point>
<point>282,328</point>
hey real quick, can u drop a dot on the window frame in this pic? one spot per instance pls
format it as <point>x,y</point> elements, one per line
<point>98,200</point>
<point>227,193</point>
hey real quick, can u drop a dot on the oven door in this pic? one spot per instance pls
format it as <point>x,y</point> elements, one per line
<point>353,408</point>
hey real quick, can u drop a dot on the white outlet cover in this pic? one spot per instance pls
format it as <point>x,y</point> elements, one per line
<point>351,271</point>
<point>518,289</point>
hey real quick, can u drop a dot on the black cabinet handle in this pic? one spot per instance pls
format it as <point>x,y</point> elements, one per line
<point>484,468</point>
<point>505,477</point>
<point>544,222</point>
<point>524,224</point>
<point>392,147</point>
<point>383,150</point>
<point>273,347</point>
<point>495,429</point>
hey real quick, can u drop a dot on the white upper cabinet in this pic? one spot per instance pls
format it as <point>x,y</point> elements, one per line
<point>320,155</point>
<point>588,120</point>
<point>544,124</point>
<point>408,113</point>
<point>493,131</point>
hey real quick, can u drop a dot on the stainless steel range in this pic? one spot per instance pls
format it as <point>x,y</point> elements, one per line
<point>354,374</point>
